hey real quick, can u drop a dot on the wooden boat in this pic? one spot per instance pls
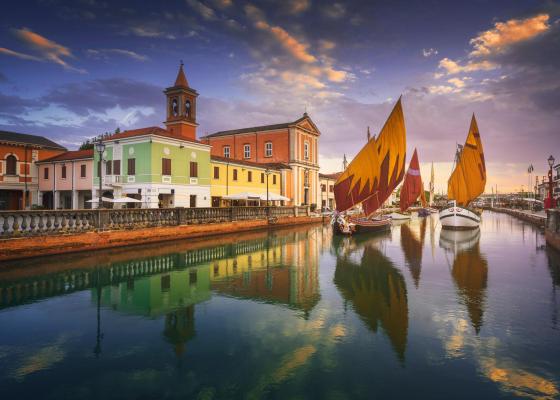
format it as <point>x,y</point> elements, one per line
<point>466,183</point>
<point>371,177</point>
<point>396,216</point>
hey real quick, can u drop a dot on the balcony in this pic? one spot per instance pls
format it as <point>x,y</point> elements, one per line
<point>113,180</point>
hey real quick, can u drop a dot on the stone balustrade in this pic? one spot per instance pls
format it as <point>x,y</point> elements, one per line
<point>43,222</point>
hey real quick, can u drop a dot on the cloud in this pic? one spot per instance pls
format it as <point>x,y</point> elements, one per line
<point>335,10</point>
<point>429,52</point>
<point>223,3</point>
<point>326,45</point>
<point>144,31</point>
<point>44,49</point>
<point>298,6</point>
<point>205,12</point>
<point>457,82</point>
<point>505,34</point>
<point>104,53</point>
<point>453,67</point>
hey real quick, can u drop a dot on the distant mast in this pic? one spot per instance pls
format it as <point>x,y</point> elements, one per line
<point>432,186</point>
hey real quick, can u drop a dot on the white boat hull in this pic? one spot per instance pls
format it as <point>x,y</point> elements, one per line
<point>458,218</point>
<point>399,217</point>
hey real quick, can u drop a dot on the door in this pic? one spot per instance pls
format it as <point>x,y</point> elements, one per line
<point>192,201</point>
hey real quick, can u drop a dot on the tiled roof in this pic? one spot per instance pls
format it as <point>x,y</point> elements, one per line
<point>330,176</point>
<point>181,78</point>
<point>152,130</point>
<point>256,128</point>
<point>24,138</point>
<point>251,163</point>
<point>70,155</point>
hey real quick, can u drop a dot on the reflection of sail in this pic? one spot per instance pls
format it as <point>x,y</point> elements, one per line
<point>412,249</point>
<point>378,293</point>
<point>179,328</point>
<point>469,271</point>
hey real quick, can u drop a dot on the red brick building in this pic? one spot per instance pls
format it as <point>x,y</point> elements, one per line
<point>292,143</point>
<point>19,153</point>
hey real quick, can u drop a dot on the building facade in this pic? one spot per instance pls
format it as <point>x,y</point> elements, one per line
<point>19,154</point>
<point>233,177</point>
<point>294,144</point>
<point>327,182</point>
<point>159,167</point>
<point>65,180</point>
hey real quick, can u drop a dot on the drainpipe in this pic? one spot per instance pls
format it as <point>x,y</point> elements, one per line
<point>25,191</point>
<point>54,186</point>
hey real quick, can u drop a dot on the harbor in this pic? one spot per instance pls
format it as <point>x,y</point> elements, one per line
<point>274,313</point>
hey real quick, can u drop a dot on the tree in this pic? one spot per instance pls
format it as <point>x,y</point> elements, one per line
<point>87,145</point>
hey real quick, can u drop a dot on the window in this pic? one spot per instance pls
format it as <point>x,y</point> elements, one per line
<point>262,177</point>
<point>131,166</point>
<point>274,179</point>
<point>249,176</point>
<point>306,150</point>
<point>117,167</point>
<point>234,174</point>
<point>268,149</point>
<point>194,169</point>
<point>166,166</point>
<point>82,171</point>
<point>331,188</point>
<point>63,173</point>
<point>165,283</point>
<point>46,173</point>
<point>247,151</point>
<point>193,200</point>
<point>216,172</point>
<point>11,165</point>
<point>226,151</point>
<point>108,165</point>
<point>323,188</point>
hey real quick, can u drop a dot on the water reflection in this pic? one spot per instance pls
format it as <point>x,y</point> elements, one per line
<point>469,271</point>
<point>412,246</point>
<point>376,289</point>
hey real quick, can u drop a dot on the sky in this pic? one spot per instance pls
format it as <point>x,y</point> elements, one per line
<point>70,70</point>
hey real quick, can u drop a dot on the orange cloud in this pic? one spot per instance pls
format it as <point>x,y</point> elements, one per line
<point>507,33</point>
<point>453,67</point>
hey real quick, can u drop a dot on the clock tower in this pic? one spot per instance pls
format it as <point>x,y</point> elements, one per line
<point>181,108</point>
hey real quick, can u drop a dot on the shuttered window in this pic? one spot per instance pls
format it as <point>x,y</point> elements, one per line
<point>166,166</point>
<point>194,169</point>
<point>131,166</point>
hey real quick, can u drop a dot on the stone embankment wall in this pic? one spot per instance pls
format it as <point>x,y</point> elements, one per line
<point>26,234</point>
<point>535,219</point>
<point>552,229</point>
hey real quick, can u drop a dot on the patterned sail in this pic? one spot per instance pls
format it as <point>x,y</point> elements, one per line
<point>378,168</point>
<point>412,187</point>
<point>468,179</point>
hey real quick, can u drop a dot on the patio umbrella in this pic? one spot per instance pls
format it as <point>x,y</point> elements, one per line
<point>126,200</point>
<point>96,200</point>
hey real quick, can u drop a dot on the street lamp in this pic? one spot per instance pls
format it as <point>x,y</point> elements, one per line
<point>550,200</point>
<point>267,172</point>
<point>100,148</point>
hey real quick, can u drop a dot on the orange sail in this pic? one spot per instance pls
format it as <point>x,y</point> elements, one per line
<point>468,179</point>
<point>412,187</point>
<point>378,168</point>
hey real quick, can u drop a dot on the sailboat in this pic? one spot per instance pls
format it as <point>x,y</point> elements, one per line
<point>371,177</point>
<point>411,190</point>
<point>466,183</point>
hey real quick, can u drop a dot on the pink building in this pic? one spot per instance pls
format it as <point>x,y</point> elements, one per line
<point>65,181</point>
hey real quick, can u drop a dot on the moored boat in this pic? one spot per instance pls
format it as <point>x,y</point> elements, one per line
<point>466,183</point>
<point>371,177</point>
<point>412,190</point>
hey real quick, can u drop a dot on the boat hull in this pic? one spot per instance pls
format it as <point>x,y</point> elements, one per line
<point>399,217</point>
<point>458,218</point>
<point>361,226</point>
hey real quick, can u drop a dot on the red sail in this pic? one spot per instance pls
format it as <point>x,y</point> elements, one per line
<point>412,186</point>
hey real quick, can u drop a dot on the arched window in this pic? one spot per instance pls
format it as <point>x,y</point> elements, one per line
<point>11,165</point>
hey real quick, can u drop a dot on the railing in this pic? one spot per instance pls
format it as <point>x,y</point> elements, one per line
<point>44,222</point>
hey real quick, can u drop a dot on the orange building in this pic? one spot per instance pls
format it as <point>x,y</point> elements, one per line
<point>18,170</point>
<point>292,143</point>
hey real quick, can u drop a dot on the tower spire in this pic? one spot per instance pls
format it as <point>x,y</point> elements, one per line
<point>368,134</point>
<point>181,80</point>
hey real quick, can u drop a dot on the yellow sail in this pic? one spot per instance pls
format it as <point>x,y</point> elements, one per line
<point>468,179</point>
<point>377,169</point>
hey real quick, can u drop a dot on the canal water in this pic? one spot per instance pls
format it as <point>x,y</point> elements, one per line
<point>290,314</point>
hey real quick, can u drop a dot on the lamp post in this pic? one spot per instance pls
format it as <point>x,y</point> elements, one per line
<point>550,199</point>
<point>267,172</point>
<point>100,147</point>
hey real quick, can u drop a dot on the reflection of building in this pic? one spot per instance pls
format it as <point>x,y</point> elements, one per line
<point>293,143</point>
<point>179,328</point>
<point>18,172</point>
<point>161,167</point>
<point>377,291</point>
<point>326,182</point>
<point>469,271</point>
<point>65,180</point>
<point>284,272</point>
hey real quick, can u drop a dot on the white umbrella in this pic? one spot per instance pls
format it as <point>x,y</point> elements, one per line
<point>126,200</point>
<point>275,197</point>
<point>532,200</point>
<point>96,200</point>
<point>242,196</point>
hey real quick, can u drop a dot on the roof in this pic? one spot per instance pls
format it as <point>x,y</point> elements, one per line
<point>181,78</point>
<point>24,138</point>
<point>151,130</point>
<point>258,128</point>
<point>330,176</point>
<point>70,155</point>
<point>250,163</point>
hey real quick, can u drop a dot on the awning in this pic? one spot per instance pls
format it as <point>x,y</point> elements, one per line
<point>96,200</point>
<point>255,196</point>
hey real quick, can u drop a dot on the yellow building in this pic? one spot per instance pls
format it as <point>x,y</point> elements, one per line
<point>242,183</point>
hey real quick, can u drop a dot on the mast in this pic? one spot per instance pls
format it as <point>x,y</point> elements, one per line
<point>432,186</point>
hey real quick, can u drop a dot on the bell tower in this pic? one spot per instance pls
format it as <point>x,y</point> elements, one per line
<point>181,108</point>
